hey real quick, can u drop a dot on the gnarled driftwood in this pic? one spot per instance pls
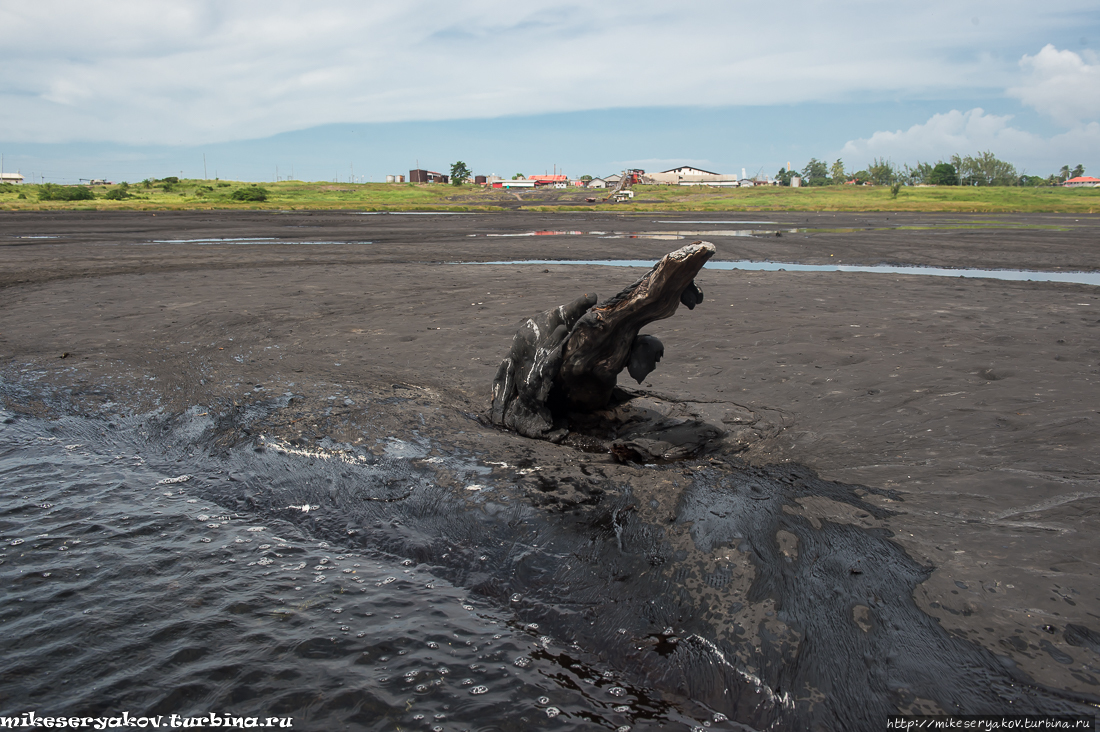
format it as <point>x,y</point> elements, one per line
<point>568,359</point>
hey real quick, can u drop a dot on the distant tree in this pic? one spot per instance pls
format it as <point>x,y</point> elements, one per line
<point>1063,174</point>
<point>836,172</point>
<point>586,178</point>
<point>861,177</point>
<point>917,175</point>
<point>459,173</point>
<point>1078,171</point>
<point>882,172</point>
<point>816,173</point>
<point>895,188</point>
<point>518,176</point>
<point>944,174</point>
<point>784,176</point>
<point>984,170</point>
<point>250,193</point>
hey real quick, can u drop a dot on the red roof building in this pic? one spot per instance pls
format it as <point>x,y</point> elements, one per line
<point>544,179</point>
<point>1082,181</point>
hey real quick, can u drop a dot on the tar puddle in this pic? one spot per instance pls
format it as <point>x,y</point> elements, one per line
<point>152,565</point>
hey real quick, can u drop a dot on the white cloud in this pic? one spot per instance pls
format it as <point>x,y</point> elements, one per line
<point>967,133</point>
<point>1061,84</point>
<point>195,71</point>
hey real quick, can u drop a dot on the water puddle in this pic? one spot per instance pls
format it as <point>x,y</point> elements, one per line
<point>256,240</point>
<point>684,233</point>
<point>914,227</point>
<point>1018,275</point>
<point>658,235</point>
<point>544,233</point>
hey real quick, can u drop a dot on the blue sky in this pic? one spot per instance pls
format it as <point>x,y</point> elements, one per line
<point>127,90</point>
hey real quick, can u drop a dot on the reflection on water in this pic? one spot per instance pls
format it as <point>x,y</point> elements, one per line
<point>539,233</point>
<point>1084,278</point>
<point>713,222</point>
<point>256,240</point>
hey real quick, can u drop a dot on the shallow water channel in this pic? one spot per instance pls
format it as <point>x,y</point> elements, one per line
<point>1022,275</point>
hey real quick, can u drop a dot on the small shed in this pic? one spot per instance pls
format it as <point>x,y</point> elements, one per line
<point>597,183</point>
<point>11,178</point>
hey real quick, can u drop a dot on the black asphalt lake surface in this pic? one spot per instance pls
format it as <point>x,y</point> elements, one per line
<point>246,469</point>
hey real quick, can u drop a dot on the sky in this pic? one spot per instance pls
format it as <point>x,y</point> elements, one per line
<point>235,89</point>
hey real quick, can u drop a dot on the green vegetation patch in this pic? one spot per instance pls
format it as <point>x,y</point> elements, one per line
<point>250,193</point>
<point>53,192</point>
<point>193,194</point>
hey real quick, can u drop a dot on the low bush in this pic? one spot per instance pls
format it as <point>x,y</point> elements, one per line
<point>54,192</point>
<point>250,193</point>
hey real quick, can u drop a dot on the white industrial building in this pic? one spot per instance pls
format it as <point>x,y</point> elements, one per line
<point>686,175</point>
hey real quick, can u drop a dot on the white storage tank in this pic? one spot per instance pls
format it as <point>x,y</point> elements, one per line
<point>390,179</point>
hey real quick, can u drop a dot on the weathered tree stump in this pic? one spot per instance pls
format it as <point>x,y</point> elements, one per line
<point>568,359</point>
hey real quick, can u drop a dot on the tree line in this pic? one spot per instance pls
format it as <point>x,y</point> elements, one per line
<point>983,169</point>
